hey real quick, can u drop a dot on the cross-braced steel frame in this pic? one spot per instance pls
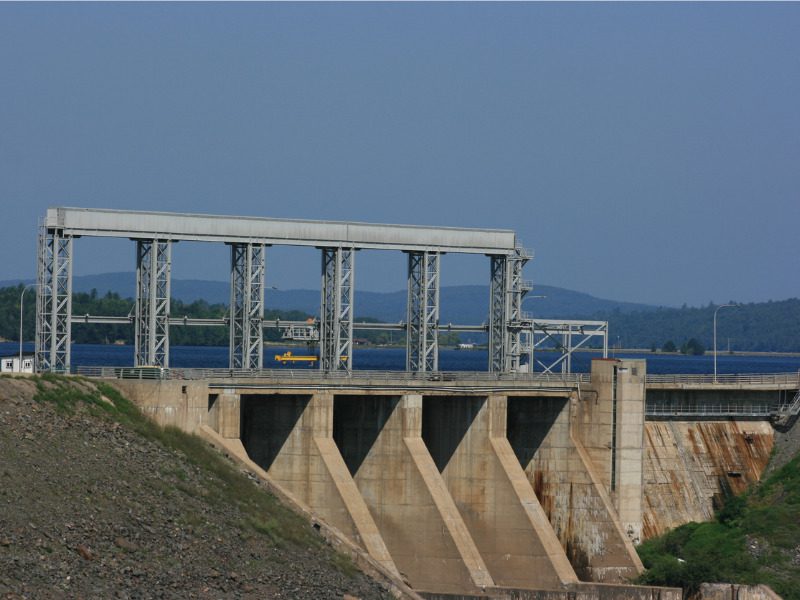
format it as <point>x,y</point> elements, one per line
<point>566,337</point>
<point>247,306</point>
<point>151,339</point>
<point>336,309</point>
<point>54,301</point>
<point>507,289</point>
<point>422,334</point>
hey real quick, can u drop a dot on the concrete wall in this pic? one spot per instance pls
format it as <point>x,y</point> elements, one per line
<point>380,440</point>
<point>609,423</point>
<point>690,466</point>
<point>578,507</point>
<point>733,591</point>
<point>455,493</point>
<point>182,404</point>
<point>575,591</point>
<point>290,436</point>
<point>466,437</point>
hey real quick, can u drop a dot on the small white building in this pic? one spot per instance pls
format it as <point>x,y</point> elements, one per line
<point>10,364</point>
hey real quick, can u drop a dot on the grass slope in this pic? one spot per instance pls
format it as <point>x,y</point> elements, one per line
<point>755,538</point>
<point>98,498</point>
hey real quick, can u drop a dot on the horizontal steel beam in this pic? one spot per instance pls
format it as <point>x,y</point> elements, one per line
<point>210,228</point>
<point>191,321</point>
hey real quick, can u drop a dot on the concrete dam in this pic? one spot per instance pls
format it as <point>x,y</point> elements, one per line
<point>504,484</point>
<point>479,488</point>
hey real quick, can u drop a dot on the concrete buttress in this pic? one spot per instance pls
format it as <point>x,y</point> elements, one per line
<point>380,439</point>
<point>466,437</point>
<point>291,438</point>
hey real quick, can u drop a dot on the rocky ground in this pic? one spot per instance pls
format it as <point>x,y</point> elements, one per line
<point>787,446</point>
<point>96,504</point>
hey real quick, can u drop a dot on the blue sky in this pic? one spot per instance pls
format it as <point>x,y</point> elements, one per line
<point>647,152</point>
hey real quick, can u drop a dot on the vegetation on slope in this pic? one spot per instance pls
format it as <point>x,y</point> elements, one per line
<point>755,538</point>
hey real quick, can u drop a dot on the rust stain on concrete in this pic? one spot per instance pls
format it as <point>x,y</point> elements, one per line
<point>690,467</point>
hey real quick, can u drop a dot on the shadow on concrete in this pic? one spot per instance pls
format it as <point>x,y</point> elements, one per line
<point>445,422</point>
<point>357,422</point>
<point>529,422</point>
<point>267,422</point>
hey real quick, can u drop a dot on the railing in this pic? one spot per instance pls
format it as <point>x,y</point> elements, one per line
<point>742,379</point>
<point>154,373</point>
<point>792,409</point>
<point>711,409</point>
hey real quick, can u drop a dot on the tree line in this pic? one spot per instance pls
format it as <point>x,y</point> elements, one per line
<point>764,326</point>
<point>113,305</point>
<point>756,327</point>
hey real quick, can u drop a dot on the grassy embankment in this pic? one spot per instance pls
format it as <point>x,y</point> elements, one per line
<point>262,513</point>
<point>755,538</point>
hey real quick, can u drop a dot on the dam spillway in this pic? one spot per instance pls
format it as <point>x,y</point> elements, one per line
<point>457,487</point>
<point>472,484</point>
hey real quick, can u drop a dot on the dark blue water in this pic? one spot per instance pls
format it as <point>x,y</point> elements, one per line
<point>393,359</point>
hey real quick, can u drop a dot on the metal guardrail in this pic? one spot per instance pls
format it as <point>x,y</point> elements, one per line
<point>741,379</point>
<point>716,409</point>
<point>315,375</point>
<point>792,409</point>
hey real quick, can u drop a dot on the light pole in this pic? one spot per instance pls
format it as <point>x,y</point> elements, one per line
<point>21,300</point>
<point>715,337</point>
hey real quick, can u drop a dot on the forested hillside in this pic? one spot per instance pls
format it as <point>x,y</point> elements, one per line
<point>765,326</point>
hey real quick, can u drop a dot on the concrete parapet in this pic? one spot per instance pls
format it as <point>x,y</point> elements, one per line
<point>575,591</point>
<point>735,591</point>
<point>467,440</point>
<point>380,440</point>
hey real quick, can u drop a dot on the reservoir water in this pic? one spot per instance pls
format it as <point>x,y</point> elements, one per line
<point>393,359</point>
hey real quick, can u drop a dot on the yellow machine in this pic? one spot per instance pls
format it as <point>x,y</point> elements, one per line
<point>288,358</point>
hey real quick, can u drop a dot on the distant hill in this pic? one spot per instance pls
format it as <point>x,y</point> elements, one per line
<point>466,304</point>
<point>761,326</point>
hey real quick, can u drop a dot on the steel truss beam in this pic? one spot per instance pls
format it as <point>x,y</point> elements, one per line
<point>151,339</point>
<point>247,306</point>
<point>422,336</point>
<point>336,309</point>
<point>54,301</point>
<point>507,290</point>
<point>566,337</point>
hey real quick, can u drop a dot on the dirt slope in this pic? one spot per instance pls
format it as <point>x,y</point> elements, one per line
<point>95,502</point>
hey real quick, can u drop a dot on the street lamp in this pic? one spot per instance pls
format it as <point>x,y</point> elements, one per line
<point>715,337</point>
<point>21,300</point>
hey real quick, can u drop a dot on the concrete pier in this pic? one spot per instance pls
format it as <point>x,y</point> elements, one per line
<point>466,438</point>
<point>381,442</point>
<point>291,438</point>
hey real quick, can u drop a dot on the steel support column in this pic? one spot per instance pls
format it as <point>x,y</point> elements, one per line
<point>517,321</point>
<point>422,334</point>
<point>507,321</point>
<point>498,310</point>
<point>336,309</point>
<point>54,302</point>
<point>247,306</point>
<point>153,264</point>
